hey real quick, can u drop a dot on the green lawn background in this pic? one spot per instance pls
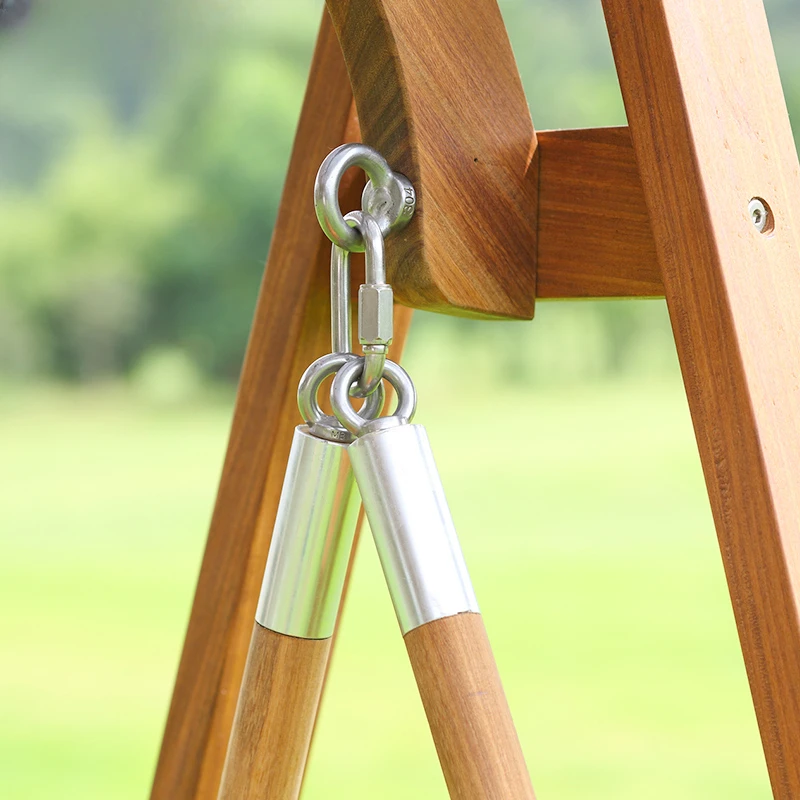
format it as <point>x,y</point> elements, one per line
<point>583,516</point>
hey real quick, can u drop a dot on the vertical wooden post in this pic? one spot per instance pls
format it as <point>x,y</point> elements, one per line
<point>291,328</point>
<point>711,132</point>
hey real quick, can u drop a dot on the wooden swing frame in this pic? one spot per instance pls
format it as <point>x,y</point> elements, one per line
<point>507,215</point>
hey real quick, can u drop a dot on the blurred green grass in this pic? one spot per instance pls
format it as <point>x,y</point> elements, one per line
<point>584,520</point>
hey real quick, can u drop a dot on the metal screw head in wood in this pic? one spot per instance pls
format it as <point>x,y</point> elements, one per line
<point>761,215</point>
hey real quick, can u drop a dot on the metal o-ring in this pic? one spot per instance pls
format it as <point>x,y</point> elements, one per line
<point>340,396</point>
<point>326,190</point>
<point>309,387</point>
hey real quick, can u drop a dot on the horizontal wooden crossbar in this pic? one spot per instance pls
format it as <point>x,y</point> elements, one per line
<point>594,235</point>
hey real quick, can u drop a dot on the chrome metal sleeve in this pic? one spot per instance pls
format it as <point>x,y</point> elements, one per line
<point>412,526</point>
<point>311,540</point>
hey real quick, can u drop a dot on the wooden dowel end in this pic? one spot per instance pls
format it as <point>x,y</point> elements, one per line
<point>275,717</point>
<point>467,711</point>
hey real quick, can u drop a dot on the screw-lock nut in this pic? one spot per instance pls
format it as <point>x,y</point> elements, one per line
<point>375,314</point>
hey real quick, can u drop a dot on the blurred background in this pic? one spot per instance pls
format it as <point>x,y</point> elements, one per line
<point>142,153</point>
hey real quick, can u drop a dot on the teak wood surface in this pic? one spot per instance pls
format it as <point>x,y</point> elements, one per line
<point>439,95</point>
<point>275,717</point>
<point>594,234</point>
<point>711,131</point>
<point>467,710</point>
<point>291,328</point>
<point>504,216</point>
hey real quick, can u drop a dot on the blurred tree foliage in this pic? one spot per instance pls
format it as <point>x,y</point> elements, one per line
<point>142,154</point>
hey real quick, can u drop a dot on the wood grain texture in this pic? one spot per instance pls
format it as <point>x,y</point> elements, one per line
<point>467,710</point>
<point>439,95</point>
<point>595,237</point>
<point>275,717</point>
<point>291,328</point>
<point>711,131</point>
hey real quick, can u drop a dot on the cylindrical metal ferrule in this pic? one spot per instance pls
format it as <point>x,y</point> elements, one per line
<point>311,540</point>
<point>412,526</point>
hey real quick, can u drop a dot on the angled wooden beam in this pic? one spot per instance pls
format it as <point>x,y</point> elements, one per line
<point>711,132</point>
<point>439,95</point>
<point>291,328</point>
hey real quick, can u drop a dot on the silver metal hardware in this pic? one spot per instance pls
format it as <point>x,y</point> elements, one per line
<point>375,305</point>
<point>311,540</point>
<point>398,201</point>
<point>387,204</point>
<point>761,215</point>
<point>404,501</point>
<point>318,509</point>
<point>325,425</point>
<point>389,196</point>
<point>375,311</point>
<point>412,526</point>
<point>341,331</point>
<point>357,424</point>
<point>372,373</point>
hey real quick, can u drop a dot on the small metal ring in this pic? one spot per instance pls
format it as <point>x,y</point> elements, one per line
<point>390,199</point>
<point>325,425</point>
<point>358,425</point>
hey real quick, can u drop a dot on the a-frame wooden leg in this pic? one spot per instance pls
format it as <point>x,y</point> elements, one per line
<point>291,329</point>
<point>711,132</point>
